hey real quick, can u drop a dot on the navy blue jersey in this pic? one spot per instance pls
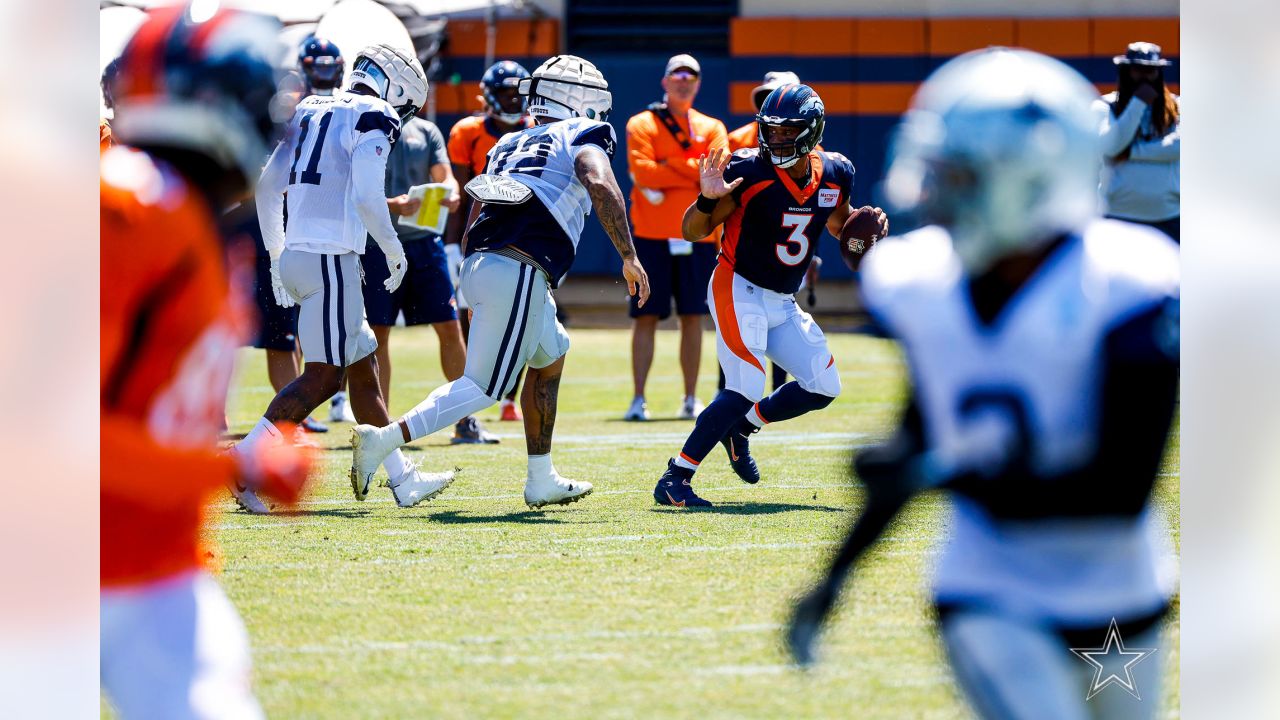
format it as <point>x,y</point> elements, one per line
<point>771,236</point>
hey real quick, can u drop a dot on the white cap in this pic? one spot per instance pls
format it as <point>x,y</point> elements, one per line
<point>683,61</point>
<point>772,81</point>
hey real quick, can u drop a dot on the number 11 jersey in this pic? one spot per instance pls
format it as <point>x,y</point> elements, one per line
<point>321,138</point>
<point>773,233</point>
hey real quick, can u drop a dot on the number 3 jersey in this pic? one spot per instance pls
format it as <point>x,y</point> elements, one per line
<point>332,160</point>
<point>773,233</point>
<point>542,158</point>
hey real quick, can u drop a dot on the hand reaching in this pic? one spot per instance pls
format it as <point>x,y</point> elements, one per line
<point>711,174</point>
<point>637,280</point>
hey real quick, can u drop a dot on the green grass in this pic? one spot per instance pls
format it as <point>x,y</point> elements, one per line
<point>472,606</point>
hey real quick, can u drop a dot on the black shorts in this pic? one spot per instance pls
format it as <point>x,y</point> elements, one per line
<point>279,325</point>
<point>425,295</point>
<point>684,277</point>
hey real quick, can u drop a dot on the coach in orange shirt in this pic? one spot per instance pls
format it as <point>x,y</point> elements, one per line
<point>663,146</point>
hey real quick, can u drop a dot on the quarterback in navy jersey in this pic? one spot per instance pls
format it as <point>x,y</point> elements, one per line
<point>784,217</point>
<point>774,204</point>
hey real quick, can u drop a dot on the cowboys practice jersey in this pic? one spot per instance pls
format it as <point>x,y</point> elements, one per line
<point>1069,536</point>
<point>542,158</point>
<point>314,164</point>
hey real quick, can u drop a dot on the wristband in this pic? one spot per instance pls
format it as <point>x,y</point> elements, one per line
<point>704,204</point>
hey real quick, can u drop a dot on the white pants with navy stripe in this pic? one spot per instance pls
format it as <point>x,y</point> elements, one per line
<point>331,324</point>
<point>1012,669</point>
<point>513,322</point>
<point>175,649</point>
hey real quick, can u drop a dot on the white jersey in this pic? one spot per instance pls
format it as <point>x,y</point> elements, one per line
<point>542,158</point>
<point>1039,362</point>
<point>331,166</point>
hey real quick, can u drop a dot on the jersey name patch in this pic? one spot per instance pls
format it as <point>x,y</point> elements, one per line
<point>828,197</point>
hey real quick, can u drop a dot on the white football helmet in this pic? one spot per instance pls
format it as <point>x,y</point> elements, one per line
<point>394,75</point>
<point>1001,147</point>
<point>567,86</point>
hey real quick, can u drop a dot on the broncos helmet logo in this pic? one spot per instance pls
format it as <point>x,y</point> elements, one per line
<point>812,103</point>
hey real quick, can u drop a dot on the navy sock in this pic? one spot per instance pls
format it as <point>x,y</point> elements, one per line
<point>790,401</point>
<point>717,419</point>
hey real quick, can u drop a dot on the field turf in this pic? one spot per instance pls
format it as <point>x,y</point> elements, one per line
<point>473,606</point>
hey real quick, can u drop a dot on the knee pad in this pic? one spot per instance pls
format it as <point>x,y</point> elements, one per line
<point>826,382</point>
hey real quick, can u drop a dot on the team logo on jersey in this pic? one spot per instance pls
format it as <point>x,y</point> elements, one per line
<point>378,149</point>
<point>1113,660</point>
<point>828,197</point>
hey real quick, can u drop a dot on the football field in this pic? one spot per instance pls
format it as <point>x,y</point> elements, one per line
<point>474,606</point>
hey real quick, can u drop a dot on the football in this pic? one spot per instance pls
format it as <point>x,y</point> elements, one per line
<point>859,233</point>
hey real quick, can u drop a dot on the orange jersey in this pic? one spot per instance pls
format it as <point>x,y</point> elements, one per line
<point>657,162</point>
<point>170,329</point>
<point>470,140</point>
<point>104,135</point>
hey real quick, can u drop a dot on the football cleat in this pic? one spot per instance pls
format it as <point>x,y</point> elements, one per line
<point>246,499</point>
<point>340,409</point>
<point>469,431</point>
<point>638,412</point>
<point>738,446</point>
<point>510,413</point>
<point>555,490</point>
<point>314,426</point>
<point>676,490</point>
<point>691,408</point>
<point>419,487</point>
<point>369,447</point>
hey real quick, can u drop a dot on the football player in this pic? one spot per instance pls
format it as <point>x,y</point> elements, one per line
<point>1042,344</point>
<point>321,64</point>
<point>470,139</point>
<point>333,165</point>
<point>191,115</point>
<point>539,186</point>
<point>774,203</point>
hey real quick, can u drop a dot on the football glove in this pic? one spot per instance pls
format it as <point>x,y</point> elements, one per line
<point>453,259</point>
<point>283,298</point>
<point>397,265</point>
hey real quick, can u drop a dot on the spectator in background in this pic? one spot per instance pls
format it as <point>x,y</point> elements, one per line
<point>426,295</point>
<point>469,143</point>
<point>1141,143</point>
<point>104,123</point>
<point>663,146</point>
<point>747,136</point>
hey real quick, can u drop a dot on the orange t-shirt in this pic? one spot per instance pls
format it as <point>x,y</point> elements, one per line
<point>657,162</point>
<point>470,140</point>
<point>170,329</point>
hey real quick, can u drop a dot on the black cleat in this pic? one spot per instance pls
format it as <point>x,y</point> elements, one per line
<point>675,490</point>
<point>737,445</point>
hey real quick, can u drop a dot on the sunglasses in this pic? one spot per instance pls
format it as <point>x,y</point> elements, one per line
<point>683,75</point>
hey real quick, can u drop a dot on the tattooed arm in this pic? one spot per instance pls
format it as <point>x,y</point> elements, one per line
<point>595,174</point>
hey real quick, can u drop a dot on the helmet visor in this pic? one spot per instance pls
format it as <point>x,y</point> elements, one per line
<point>367,71</point>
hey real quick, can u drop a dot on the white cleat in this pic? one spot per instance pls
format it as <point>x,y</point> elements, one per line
<point>691,408</point>
<point>247,500</point>
<point>419,487</point>
<point>369,447</point>
<point>555,490</point>
<point>638,412</point>
<point>340,409</point>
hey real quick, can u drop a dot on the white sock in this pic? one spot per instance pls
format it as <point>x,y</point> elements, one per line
<point>753,416</point>
<point>264,431</point>
<point>540,468</point>
<point>338,398</point>
<point>682,461</point>
<point>445,406</point>
<point>397,464</point>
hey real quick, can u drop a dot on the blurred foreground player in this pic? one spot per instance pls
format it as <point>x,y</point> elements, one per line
<point>532,202</point>
<point>191,109</point>
<point>1043,352</point>
<point>333,165</point>
<point>774,203</point>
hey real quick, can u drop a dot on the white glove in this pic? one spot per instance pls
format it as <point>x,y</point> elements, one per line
<point>283,298</point>
<point>398,266</point>
<point>453,258</point>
